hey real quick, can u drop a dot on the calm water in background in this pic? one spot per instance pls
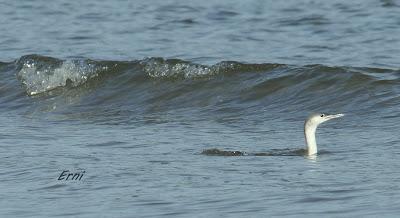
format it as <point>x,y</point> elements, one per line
<point>131,92</point>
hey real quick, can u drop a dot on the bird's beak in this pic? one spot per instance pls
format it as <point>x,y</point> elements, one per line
<point>333,116</point>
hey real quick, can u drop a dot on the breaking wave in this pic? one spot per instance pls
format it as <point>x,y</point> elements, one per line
<point>157,84</point>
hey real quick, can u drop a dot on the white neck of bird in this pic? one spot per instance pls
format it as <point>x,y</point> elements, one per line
<point>309,132</point>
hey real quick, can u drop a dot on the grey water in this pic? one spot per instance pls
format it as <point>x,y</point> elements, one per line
<point>128,94</point>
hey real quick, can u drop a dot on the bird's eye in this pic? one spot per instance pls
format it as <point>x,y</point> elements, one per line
<point>322,115</point>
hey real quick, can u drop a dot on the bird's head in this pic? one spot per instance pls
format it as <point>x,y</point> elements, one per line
<point>316,119</point>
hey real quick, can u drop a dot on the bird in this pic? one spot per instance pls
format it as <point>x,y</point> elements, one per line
<point>310,128</point>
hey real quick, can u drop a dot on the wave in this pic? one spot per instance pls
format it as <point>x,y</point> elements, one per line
<point>168,83</point>
<point>39,74</point>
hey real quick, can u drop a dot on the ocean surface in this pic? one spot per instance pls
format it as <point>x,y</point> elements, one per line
<point>127,94</point>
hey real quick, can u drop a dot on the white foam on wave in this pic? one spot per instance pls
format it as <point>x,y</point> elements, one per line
<point>39,79</point>
<point>161,68</point>
<point>158,67</point>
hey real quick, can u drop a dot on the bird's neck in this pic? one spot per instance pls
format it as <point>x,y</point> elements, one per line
<point>309,132</point>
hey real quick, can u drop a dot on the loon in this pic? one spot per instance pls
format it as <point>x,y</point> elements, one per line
<point>310,127</point>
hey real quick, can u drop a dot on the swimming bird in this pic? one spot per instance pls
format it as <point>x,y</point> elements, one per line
<point>310,127</point>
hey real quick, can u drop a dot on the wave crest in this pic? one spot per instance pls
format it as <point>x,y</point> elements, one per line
<point>40,74</point>
<point>175,68</point>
